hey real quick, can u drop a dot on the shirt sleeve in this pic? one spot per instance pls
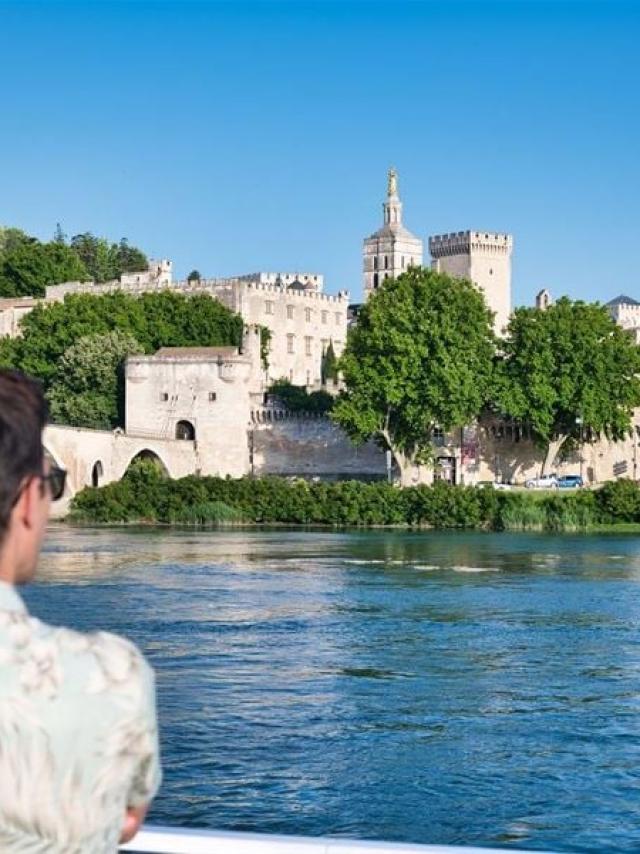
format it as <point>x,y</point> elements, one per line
<point>148,774</point>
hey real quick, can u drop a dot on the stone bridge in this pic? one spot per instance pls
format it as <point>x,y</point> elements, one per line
<point>96,457</point>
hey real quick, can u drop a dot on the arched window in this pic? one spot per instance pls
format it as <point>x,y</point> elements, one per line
<point>185,430</point>
<point>97,473</point>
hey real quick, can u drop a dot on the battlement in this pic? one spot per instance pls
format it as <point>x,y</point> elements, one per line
<point>214,286</point>
<point>466,242</point>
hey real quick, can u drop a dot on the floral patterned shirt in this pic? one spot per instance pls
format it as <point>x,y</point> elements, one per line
<point>78,735</point>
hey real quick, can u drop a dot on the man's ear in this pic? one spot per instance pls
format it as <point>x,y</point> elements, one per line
<point>27,503</point>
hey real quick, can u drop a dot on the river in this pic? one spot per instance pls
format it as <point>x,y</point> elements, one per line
<point>458,688</point>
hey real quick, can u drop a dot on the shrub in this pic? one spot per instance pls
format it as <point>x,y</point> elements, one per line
<point>619,501</point>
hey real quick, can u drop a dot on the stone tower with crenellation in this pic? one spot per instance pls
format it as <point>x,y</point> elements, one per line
<point>485,259</point>
<point>392,249</point>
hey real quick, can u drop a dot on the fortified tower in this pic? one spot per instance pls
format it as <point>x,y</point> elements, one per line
<point>482,257</point>
<point>391,249</point>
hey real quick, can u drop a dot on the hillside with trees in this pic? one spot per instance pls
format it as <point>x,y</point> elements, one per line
<point>28,266</point>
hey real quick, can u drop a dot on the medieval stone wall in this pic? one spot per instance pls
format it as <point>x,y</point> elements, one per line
<point>310,447</point>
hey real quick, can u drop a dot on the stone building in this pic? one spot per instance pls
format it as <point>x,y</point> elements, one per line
<point>11,313</point>
<point>391,249</point>
<point>196,394</point>
<point>301,318</point>
<point>482,257</point>
<point>626,313</point>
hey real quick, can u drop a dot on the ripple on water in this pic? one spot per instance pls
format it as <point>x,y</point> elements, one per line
<point>370,685</point>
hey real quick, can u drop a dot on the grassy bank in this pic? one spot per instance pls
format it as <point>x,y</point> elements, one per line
<point>143,495</point>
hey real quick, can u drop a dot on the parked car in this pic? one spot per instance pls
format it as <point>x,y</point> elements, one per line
<point>545,481</point>
<point>570,481</point>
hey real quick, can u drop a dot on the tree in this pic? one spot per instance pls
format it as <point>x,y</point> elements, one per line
<point>29,267</point>
<point>329,367</point>
<point>130,259</point>
<point>88,389</point>
<point>11,238</point>
<point>194,276</point>
<point>59,236</point>
<point>154,320</point>
<point>107,261</point>
<point>569,372</point>
<point>419,358</point>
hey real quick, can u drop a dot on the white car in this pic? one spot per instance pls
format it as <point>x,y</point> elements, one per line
<point>545,481</point>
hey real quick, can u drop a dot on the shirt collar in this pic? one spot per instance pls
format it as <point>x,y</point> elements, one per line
<point>10,599</point>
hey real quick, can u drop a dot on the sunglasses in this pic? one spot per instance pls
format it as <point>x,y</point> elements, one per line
<point>56,479</point>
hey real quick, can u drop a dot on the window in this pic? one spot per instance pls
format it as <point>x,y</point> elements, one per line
<point>268,307</point>
<point>324,316</point>
<point>375,280</point>
<point>290,339</point>
<point>308,341</point>
<point>289,312</point>
<point>212,396</point>
<point>386,262</point>
<point>307,315</point>
<point>325,344</point>
<point>338,317</point>
<point>164,396</point>
<point>438,436</point>
<point>375,262</point>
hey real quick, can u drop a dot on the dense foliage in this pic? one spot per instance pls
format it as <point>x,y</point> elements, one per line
<point>164,319</point>
<point>145,495</point>
<point>89,387</point>
<point>570,373</point>
<point>28,266</point>
<point>420,358</point>
<point>297,399</point>
<point>106,261</point>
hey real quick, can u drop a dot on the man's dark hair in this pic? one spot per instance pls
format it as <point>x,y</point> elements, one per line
<point>23,414</point>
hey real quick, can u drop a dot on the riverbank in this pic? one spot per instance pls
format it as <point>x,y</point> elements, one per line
<point>145,496</point>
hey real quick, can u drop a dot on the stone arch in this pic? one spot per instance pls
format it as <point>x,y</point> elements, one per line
<point>147,455</point>
<point>97,473</point>
<point>185,430</point>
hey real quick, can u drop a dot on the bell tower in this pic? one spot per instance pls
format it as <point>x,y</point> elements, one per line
<point>392,249</point>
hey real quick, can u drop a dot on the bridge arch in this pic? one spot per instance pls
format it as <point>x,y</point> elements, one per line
<point>147,455</point>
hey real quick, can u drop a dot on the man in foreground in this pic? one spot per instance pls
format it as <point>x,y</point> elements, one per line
<point>79,757</point>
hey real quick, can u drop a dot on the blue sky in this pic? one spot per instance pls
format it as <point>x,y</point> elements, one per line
<point>240,136</point>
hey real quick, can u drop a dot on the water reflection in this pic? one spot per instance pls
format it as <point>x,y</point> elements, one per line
<point>455,688</point>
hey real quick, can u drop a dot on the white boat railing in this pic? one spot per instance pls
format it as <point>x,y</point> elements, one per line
<point>169,840</point>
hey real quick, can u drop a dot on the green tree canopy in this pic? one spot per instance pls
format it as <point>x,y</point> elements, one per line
<point>154,320</point>
<point>420,357</point>
<point>568,371</point>
<point>28,267</point>
<point>107,261</point>
<point>11,238</point>
<point>88,387</point>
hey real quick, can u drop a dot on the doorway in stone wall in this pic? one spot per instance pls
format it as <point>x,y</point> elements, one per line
<point>445,469</point>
